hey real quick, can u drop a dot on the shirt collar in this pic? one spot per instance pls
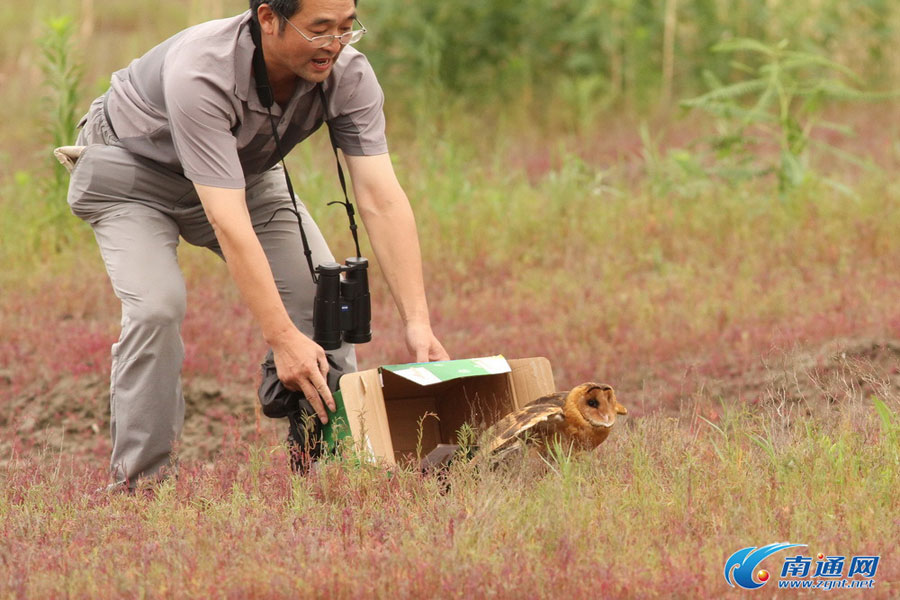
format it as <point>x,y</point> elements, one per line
<point>244,83</point>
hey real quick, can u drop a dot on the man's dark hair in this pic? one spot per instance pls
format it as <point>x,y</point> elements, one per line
<point>285,8</point>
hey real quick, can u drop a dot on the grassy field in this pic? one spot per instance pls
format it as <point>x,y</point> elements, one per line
<point>654,515</point>
<point>568,208</point>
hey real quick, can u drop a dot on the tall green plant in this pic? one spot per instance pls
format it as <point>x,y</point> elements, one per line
<point>780,100</point>
<point>62,73</point>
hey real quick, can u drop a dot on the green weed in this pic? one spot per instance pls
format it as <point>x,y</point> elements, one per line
<point>62,81</point>
<point>780,101</point>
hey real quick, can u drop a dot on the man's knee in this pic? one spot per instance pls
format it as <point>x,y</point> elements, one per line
<point>160,307</point>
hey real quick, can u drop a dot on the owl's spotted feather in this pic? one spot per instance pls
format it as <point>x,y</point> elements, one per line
<point>582,417</point>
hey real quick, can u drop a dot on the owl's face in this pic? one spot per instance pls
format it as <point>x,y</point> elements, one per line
<point>598,405</point>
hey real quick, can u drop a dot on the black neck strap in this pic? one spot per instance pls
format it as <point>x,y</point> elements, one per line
<point>267,99</point>
<point>347,204</point>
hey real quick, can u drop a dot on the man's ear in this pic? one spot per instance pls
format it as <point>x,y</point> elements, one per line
<point>269,21</point>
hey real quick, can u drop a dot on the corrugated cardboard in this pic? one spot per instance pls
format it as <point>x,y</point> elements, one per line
<point>384,409</point>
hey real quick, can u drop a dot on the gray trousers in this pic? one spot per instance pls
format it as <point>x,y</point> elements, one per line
<point>138,211</point>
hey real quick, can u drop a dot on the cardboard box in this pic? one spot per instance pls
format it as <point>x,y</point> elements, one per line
<point>383,409</point>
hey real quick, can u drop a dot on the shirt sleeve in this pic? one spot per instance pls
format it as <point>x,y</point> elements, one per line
<point>357,104</point>
<point>202,116</point>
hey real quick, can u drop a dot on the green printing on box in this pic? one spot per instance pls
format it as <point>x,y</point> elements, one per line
<point>337,427</point>
<point>436,372</point>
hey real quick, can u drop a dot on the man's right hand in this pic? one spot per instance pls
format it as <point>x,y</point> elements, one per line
<point>299,361</point>
<point>303,367</point>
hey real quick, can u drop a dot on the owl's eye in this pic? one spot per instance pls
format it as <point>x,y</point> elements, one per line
<point>593,403</point>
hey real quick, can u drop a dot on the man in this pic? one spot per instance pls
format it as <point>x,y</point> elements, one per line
<point>181,146</point>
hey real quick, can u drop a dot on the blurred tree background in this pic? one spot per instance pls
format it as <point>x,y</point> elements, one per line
<point>545,57</point>
<point>517,78</point>
<point>598,54</point>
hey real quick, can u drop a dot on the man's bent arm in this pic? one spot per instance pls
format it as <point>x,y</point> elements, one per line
<point>391,226</point>
<point>301,363</point>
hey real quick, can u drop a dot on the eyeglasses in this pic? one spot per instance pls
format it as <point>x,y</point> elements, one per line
<point>321,41</point>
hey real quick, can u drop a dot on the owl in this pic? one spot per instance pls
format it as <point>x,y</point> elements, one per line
<point>582,417</point>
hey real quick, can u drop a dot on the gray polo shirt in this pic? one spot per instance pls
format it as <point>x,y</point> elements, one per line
<point>190,104</point>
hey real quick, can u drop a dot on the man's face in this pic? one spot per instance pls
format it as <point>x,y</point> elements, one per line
<point>316,17</point>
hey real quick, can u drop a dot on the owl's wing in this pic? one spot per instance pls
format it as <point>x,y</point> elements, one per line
<point>507,431</point>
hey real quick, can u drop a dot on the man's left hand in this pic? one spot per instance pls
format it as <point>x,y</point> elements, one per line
<point>422,344</point>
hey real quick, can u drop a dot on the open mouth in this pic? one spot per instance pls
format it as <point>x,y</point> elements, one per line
<point>321,64</point>
<point>600,424</point>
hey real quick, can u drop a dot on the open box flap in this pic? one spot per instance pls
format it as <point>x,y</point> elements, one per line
<point>532,378</point>
<point>436,372</point>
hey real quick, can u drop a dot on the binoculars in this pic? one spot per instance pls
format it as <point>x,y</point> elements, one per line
<point>342,308</point>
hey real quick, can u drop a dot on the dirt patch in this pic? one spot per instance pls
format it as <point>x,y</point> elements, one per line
<point>72,414</point>
<point>810,381</point>
<point>839,371</point>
